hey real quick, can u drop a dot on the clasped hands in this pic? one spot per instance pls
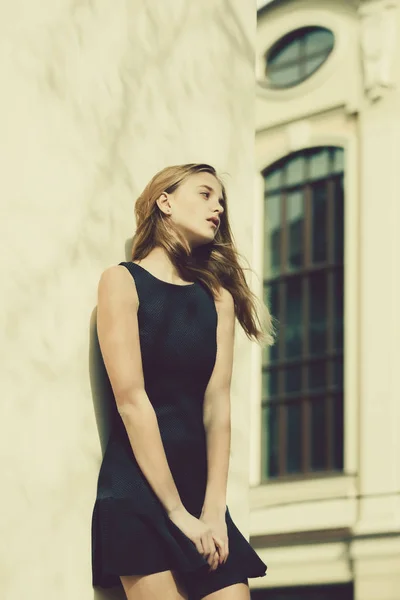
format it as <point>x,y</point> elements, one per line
<point>208,533</point>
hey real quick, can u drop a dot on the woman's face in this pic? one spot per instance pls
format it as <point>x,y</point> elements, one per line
<point>195,208</point>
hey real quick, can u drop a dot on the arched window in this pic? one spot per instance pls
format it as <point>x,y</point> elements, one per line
<point>298,55</point>
<point>303,285</point>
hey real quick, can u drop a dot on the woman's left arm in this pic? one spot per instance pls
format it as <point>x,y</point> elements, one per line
<point>217,422</point>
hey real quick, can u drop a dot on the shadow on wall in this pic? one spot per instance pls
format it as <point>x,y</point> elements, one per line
<point>110,594</point>
<point>102,394</point>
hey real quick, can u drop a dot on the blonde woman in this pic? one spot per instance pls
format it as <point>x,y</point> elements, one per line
<point>165,323</point>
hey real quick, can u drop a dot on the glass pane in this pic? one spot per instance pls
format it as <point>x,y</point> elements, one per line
<point>294,318</point>
<point>292,377</point>
<point>338,209</point>
<point>269,383</point>
<point>338,372</point>
<point>294,438</point>
<point>312,63</point>
<point>286,52</point>
<point>295,170</point>
<point>318,40</point>
<point>319,208</point>
<point>338,432</point>
<point>319,164</point>
<point>318,313</point>
<point>338,160</point>
<point>270,439</point>
<point>318,434</point>
<point>271,299</point>
<point>273,180</point>
<point>317,375</point>
<point>272,243</point>
<point>295,220</point>
<point>285,76</point>
<point>338,309</point>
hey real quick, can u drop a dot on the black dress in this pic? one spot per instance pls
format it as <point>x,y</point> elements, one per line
<point>131,532</point>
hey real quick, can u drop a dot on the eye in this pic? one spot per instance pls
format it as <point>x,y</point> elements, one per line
<point>206,194</point>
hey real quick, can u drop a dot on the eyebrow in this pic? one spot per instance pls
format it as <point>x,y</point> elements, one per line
<point>209,188</point>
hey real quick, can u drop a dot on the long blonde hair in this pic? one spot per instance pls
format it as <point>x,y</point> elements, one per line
<point>215,264</point>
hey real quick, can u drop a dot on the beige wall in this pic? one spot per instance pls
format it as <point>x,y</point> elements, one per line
<point>96,97</point>
<point>352,101</point>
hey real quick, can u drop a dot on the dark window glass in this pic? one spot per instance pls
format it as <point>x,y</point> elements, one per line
<point>302,385</point>
<point>338,160</point>
<point>319,211</point>
<point>319,164</point>
<point>338,208</point>
<point>272,255</point>
<point>293,436</point>
<point>338,309</point>
<point>338,372</point>
<point>318,314</point>
<point>294,171</point>
<point>271,299</point>
<point>274,179</point>
<point>338,427</point>
<point>298,55</point>
<point>293,378</point>
<point>319,40</point>
<point>286,52</point>
<point>317,375</point>
<point>270,437</point>
<point>270,383</point>
<point>318,434</point>
<point>295,219</point>
<point>294,318</point>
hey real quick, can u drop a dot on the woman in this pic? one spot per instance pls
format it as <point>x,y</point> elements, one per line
<point>165,323</point>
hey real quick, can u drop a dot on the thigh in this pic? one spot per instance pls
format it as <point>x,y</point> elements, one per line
<point>218,585</point>
<point>237,591</point>
<point>164,585</point>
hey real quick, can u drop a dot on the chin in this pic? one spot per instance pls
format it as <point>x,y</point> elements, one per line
<point>202,240</point>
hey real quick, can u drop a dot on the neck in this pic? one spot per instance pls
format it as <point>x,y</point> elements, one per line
<point>160,263</point>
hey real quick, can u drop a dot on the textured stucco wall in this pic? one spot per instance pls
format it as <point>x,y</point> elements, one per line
<point>96,97</point>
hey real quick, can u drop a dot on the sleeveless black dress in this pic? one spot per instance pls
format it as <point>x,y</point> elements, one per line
<point>131,532</point>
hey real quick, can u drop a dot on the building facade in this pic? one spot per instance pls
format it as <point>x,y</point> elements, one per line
<point>325,420</point>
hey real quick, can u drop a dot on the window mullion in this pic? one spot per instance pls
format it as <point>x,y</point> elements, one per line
<point>317,408</point>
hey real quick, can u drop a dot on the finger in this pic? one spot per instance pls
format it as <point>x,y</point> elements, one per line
<point>223,551</point>
<point>206,546</point>
<point>226,552</point>
<point>222,554</point>
<point>212,549</point>
<point>215,561</point>
<point>198,544</point>
<point>218,542</point>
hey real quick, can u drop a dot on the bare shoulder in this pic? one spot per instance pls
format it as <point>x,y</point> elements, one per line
<point>224,301</point>
<point>116,283</point>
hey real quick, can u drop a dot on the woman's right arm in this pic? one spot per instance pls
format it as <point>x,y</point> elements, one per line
<point>118,332</point>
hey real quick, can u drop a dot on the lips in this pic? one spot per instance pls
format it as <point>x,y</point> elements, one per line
<point>214,220</point>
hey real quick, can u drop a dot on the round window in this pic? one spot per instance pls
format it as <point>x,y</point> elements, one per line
<point>298,55</point>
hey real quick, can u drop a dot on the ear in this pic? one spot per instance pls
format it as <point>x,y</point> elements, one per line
<point>164,204</point>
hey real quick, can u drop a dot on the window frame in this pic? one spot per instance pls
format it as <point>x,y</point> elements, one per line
<point>302,61</point>
<point>306,396</point>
